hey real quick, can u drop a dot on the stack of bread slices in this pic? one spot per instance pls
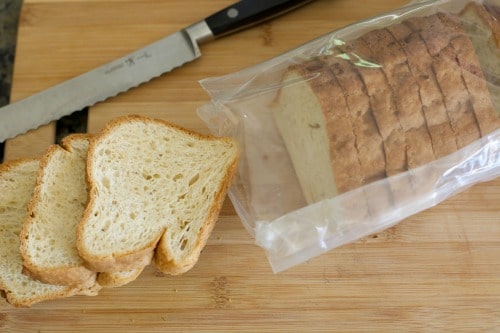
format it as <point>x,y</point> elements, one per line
<point>95,210</point>
<point>391,100</point>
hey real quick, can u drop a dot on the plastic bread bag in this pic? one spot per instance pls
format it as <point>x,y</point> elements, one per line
<point>356,130</point>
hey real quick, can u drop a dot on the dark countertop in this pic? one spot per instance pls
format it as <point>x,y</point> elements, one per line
<point>9,17</point>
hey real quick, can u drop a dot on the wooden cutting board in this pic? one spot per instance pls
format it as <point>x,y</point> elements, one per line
<point>436,271</point>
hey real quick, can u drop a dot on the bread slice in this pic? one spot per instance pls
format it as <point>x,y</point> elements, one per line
<point>152,185</point>
<point>48,237</point>
<point>17,182</point>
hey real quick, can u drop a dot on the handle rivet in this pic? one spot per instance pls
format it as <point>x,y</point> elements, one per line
<point>232,12</point>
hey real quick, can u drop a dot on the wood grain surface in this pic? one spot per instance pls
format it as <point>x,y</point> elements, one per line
<point>438,271</point>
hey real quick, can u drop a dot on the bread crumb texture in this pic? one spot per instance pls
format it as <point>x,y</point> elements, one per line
<point>62,194</point>
<point>150,179</point>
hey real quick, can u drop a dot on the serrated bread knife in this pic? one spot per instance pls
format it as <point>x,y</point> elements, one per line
<point>135,68</point>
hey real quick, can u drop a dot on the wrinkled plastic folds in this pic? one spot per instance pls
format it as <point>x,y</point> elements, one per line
<point>266,193</point>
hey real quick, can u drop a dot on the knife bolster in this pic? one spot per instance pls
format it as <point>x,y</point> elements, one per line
<point>199,32</point>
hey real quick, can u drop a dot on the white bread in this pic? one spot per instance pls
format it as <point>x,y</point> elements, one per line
<point>48,237</point>
<point>17,182</point>
<point>450,109</point>
<point>152,185</point>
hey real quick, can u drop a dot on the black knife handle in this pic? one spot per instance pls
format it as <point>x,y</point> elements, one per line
<point>246,13</point>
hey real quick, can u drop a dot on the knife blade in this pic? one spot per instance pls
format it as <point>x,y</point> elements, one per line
<point>135,68</point>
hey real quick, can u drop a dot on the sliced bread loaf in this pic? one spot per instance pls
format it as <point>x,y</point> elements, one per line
<point>426,93</point>
<point>17,182</point>
<point>48,237</point>
<point>152,185</point>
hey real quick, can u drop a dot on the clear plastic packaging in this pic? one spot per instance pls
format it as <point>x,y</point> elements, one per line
<point>267,193</point>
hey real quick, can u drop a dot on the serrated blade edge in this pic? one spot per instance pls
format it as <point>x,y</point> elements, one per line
<point>98,84</point>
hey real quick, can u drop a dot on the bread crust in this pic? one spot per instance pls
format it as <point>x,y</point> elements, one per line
<point>129,259</point>
<point>437,37</point>
<point>118,279</point>
<point>368,139</point>
<point>382,105</point>
<point>408,121</point>
<point>9,166</point>
<point>420,63</point>
<point>381,97</point>
<point>114,263</point>
<point>387,51</point>
<point>369,142</point>
<point>164,261</point>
